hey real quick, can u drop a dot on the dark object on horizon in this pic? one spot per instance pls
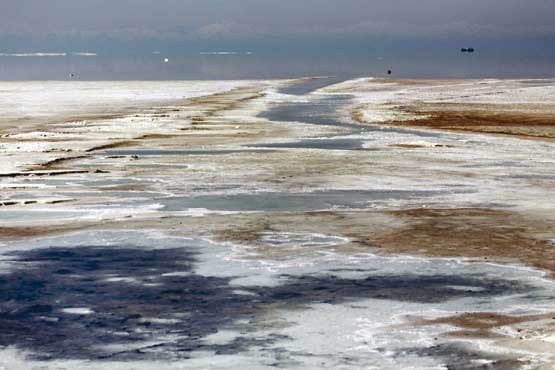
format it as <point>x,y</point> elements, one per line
<point>71,75</point>
<point>467,50</point>
<point>389,71</point>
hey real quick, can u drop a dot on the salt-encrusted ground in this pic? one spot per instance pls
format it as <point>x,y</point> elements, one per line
<point>258,225</point>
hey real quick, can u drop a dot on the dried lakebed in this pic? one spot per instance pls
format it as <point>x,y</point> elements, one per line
<point>256,225</point>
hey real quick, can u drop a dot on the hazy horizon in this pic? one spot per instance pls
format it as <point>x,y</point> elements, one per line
<point>512,38</point>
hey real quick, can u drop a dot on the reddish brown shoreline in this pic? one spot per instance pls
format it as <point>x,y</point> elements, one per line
<point>532,125</point>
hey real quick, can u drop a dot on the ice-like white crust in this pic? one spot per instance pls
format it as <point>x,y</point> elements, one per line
<point>33,100</point>
<point>379,100</point>
<point>43,121</point>
<point>78,311</point>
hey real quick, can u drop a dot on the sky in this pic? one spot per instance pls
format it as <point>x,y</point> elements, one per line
<point>140,23</point>
<point>276,38</point>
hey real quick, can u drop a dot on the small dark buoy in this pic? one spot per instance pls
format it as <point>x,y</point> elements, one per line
<point>389,71</point>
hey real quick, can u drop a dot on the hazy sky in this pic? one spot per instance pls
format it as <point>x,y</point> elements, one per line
<point>247,21</point>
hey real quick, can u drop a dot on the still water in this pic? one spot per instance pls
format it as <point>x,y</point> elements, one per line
<point>242,64</point>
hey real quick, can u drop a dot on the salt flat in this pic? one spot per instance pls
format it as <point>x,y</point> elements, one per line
<point>253,224</point>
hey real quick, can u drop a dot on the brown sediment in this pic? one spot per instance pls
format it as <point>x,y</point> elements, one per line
<point>223,100</point>
<point>491,120</point>
<point>249,229</point>
<point>482,320</point>
<point>228,100</point>
<point>245,234</point>
<point>8,138</point>
<point>55,163</point>
<point>210,106</point>
<point>473,233</point>
<point>192,128</point>
<point>90,117</point>
<point>473,334</point>
<point>34,231</point>
<point>480,235</point>
<point>481,325</point>
<point>29,123</point>
<point>42,173</point>
<point>118,144</point>
<point>213,105</point>
<point>58,201</point>
<point>127,187</point>
<point>157,136</point>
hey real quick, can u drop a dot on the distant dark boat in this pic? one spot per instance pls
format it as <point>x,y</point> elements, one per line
<point>467,50</point>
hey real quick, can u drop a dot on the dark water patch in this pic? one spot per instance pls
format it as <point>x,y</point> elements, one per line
<point>306,87</point>
<point>158,166</point>
<point>457,356</point>
<point>503,164</point>
<point>227,187</point>
<point>108,193</point>
<point>242,344</point>
<point>278,201</point>
<point>32,301</point>
<point>532,177</point>
<point>162,152</point>
<point>132,291</point>
<point>325,143</point>
<point>324,112</point>
<point>402,288</point>
<point>321,111</point>
<point>546,82</point>
<point>112,181</point>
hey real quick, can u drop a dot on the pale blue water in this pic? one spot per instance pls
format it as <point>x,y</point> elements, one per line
<point>255,64</point>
